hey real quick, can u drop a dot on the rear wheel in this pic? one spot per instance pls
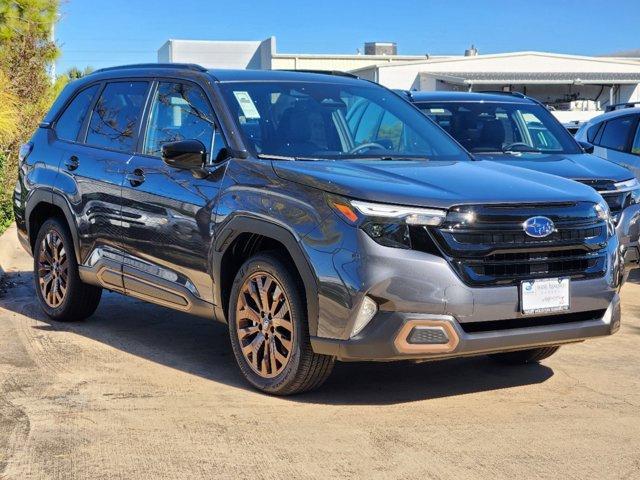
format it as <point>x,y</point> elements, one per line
<point>269,332</point>
<point>63,296</point>
<point>533,355</point>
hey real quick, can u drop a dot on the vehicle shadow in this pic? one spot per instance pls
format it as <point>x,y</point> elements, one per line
<point>201,347</point>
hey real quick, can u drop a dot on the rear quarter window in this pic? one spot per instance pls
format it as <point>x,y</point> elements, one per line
<point>592,133</point>
<point>70,122</point>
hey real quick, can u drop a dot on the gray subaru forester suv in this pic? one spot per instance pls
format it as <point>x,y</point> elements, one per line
<point>320,216</point>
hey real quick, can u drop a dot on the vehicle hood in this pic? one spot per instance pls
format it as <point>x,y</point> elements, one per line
<point>433,183</point>
<point>573,166</point>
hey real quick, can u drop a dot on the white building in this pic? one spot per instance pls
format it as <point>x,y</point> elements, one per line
<point>578,87</point>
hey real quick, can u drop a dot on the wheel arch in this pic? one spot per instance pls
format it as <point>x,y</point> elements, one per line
<point>267,235</point>
<point>42,205</point>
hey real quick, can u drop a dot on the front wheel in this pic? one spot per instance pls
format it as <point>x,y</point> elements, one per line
<point>533,355</point>
<point>269,332</point>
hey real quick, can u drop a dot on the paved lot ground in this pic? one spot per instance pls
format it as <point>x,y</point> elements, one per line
<point>138,391</point>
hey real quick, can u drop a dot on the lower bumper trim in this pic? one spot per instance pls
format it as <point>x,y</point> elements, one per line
<point>385,338</point>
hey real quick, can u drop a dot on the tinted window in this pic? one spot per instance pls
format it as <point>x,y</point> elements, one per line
<point>592,133</point>
<point>635,148</point>
<point>334,120</point>
<point>439,114</point>
<point>115,117</point>
<point>616,133</point>
<point>368,125</point>
<point>70,122</point>
<point>180,111</point>
<point>390,131</point>
<point>500,127</point>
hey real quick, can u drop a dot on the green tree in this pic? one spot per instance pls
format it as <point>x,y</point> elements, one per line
<point>74,73</point>
<point>26,53</point>
<point>8,112</point>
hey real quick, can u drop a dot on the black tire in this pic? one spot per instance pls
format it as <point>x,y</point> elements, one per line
<point>521,357</point>
<point>79,300</point>
<point>305,370</point>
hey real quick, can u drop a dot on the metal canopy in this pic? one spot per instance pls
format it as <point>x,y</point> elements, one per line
<point>514,78</point>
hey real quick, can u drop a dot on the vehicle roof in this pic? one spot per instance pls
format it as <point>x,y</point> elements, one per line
<point>468,97</point>
<point>615,113</point>
<point>223,75</point>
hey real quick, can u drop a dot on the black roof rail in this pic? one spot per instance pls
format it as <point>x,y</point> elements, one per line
<point>403,93</point>
<point>500,92</point>
<point>616,106</point>
<point>337,73</point>
<point>177,66</point>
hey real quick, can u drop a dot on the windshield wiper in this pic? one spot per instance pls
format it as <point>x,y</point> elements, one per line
<point>268,156</point>
<point>528,150</point>
<point>403,157</point>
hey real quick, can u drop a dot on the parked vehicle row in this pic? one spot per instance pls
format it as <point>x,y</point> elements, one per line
<point>322,217</point>
<point>615,136</point>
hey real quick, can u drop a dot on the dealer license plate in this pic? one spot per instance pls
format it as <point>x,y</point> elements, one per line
<point>545,295</point>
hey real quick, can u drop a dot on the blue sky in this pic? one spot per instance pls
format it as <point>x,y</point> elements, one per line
<point>115,32</point>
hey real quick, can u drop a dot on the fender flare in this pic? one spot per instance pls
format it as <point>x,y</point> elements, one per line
<point>244,223</point>
<point>49,197</point>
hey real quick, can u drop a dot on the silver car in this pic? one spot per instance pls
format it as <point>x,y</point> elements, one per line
<point>615,136</point>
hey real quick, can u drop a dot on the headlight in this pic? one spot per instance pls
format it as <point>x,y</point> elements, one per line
<point>602,211</point>
<point>387,224</point>
<point>411,215</point>
<point>627,185</point>
<point>632,186</point>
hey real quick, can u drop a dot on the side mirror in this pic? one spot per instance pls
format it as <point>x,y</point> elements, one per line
<point>587,147</point>
<point>185,155</point>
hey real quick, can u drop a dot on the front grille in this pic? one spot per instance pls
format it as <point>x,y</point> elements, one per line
<point>493,248</point>
<point>527,322</point>
<point>519,237</point>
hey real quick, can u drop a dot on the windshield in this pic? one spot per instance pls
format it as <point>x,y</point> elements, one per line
<point>307,120</point>
<point>501,127</point>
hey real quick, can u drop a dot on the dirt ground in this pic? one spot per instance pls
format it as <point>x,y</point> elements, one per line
<point>138,391</point>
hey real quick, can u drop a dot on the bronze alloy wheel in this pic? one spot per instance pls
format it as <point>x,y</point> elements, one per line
<point>53,269</point>
<point>264,325</point>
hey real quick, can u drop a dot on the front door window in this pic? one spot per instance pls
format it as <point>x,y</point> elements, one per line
<point>180,111</point>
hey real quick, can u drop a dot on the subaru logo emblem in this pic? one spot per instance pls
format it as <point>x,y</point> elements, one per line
<point>539,227</point>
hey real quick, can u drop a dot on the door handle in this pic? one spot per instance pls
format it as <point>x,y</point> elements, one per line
<point>72,163</point>
<point>135,178</point>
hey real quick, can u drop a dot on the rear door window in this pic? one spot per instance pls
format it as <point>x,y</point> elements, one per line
<point>616,132</point>
<point>116,116</point>
<point>70,122</point>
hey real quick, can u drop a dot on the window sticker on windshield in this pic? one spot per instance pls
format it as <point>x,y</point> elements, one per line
<point>246,104</point>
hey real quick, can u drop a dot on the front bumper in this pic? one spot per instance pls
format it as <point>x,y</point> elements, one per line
<point>387,337</point>
<point>413,288</point>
